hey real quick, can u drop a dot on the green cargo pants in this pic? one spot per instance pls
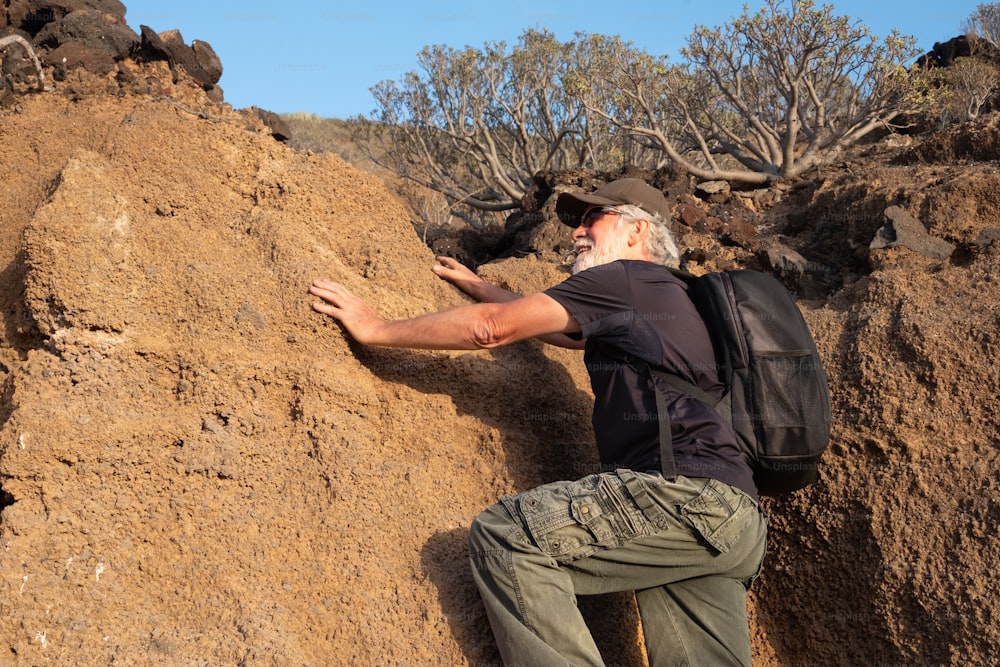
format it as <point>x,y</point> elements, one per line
<point>688,547</point>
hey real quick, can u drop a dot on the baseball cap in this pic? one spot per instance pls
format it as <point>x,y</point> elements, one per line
<point>571,205</point>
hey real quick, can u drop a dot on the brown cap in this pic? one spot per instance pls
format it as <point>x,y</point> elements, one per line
<point>571,205</point>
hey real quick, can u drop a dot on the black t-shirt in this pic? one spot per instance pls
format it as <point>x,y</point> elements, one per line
<point>644,310</point>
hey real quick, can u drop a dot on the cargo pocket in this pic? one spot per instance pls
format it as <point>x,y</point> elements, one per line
<point>565,521</point>
<point>719,515</point>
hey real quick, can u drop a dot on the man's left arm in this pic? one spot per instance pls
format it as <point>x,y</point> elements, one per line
<point>471,327</point>
<point>466,280</point>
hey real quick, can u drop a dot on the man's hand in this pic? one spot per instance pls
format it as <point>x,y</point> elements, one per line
<point>466,280</point>
<point>344,306</point>
<point>455,272</point>
<point>460,276</point>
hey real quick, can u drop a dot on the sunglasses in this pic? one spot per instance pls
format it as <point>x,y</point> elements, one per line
<point>595,214</point>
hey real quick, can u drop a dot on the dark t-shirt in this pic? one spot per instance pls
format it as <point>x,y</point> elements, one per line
<point>644,310</point>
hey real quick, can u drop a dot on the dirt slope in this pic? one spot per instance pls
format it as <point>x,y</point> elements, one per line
<point>199,467</point>
<point>198,470</point>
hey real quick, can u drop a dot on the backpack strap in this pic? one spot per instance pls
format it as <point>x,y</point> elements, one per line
<point>667,464</point>
<point>682,385</point>
<point>643,370</point>
<point>720,405</point>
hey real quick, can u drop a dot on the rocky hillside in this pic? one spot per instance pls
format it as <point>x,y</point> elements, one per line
<point>196,469</point>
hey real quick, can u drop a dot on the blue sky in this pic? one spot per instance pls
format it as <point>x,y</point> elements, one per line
<point>322,57</point>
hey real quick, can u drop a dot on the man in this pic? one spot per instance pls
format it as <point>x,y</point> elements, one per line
<point>689,545</point>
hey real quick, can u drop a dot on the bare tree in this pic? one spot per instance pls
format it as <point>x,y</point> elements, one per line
<point>960,91</point>
<point>984,23</point>
<point>763,98</point>
<point>590,69</point>
<point>477,125</point>
<point>777,92</point>
<point>974,82</point>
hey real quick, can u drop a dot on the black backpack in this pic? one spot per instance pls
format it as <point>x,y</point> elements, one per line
<point>777,397</point>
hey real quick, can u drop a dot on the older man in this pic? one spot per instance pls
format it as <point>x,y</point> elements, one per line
<point>689,543</point>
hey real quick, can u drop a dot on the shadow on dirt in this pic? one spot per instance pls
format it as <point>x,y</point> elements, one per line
<point>523,394</point>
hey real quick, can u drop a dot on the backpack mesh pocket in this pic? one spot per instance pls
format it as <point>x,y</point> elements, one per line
<point>788,391</point>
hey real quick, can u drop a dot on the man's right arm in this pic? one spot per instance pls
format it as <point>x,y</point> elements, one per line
<point>479,326</point>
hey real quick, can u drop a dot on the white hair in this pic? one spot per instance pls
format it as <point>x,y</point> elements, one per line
<point>659,241</point>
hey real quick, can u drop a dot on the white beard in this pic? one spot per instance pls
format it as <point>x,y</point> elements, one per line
<point>611,249</point>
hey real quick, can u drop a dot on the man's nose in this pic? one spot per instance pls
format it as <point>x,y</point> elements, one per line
<point>579,232</point>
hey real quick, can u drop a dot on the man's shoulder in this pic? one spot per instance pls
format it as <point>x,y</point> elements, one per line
<point>602,273</point>
<point>633,268</point>
<point>651,273</point>
<point>641,266</point>
<point>621,277</point>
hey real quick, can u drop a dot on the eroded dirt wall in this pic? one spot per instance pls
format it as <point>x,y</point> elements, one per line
<point>196,468</point>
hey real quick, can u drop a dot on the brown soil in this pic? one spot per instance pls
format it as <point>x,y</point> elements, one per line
<point>199,470</point>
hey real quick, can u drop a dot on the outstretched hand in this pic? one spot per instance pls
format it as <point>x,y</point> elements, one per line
<point>466,280</point>
<point>347,308</point>
<point>455,272</point>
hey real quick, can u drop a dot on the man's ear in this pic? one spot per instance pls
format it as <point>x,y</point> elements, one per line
<point>639,231</point>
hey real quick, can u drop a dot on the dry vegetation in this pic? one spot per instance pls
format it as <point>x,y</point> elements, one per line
<point>328,135</point>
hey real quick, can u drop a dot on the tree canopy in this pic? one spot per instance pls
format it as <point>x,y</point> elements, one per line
<point>477,124</point>
<point>984,23</point>
<point>765,97</point>
<point>777,92</point>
